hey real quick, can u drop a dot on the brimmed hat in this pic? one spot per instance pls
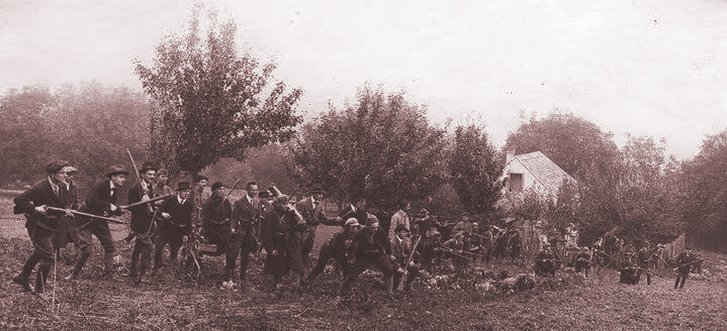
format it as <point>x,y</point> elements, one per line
<point>71,170</point>
<point>282,199</point>
<point>183,186</point>
<point>217,185</point>
<point>55,166</point>
<point>116,169</point>
<point>401,227</point>
<point>352,222</point>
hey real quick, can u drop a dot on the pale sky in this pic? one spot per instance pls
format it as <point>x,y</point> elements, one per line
<point>654,67</point>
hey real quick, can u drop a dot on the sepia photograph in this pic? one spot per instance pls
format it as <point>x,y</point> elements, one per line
<point>363,165</point>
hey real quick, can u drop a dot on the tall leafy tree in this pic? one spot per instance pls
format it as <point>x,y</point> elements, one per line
<point>213,101</point>
<point>382,146</point>
<point>474,169</point>
<point>573,143</point>
<point>702,188</point>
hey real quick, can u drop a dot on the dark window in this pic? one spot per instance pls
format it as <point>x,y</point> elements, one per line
<point>516,182</point>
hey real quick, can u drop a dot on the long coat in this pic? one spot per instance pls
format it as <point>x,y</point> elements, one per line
<point>180,222</point>
<point>100,199</point>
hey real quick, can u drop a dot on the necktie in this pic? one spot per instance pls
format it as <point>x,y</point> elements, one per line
<point>55,191</point>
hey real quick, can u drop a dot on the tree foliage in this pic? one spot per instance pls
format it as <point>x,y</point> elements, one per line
<point>213,102</point>
<point>382,147</point>
<point>91,126</point>
<point>474,169</point>
<point>703,194</point>
<point>576,145</point>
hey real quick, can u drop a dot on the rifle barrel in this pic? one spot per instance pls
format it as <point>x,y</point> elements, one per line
<point>80,213</point>
<point>155,199</point>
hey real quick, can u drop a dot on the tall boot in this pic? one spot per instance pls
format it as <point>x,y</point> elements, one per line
<point>135,260</point>
<point>108,266</point>
<point>41,277</point>
<point>77,267</point>
<point>22,279</point>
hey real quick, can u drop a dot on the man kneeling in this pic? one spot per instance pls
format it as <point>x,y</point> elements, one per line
<point>401,248</point>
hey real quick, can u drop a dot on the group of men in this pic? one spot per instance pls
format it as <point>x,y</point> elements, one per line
<point>160,217</point>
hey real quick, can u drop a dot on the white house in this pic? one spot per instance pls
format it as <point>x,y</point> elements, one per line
<point>533,171</point>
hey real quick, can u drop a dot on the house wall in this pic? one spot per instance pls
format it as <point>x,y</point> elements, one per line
<point>529,181</point>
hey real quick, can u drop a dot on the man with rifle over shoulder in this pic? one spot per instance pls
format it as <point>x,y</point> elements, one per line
<point>142,220</point>
<point>402,249</point>
<point>102,201</point>
<point>41,223</point>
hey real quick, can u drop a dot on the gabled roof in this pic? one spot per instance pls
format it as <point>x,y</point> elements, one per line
<point>545,171</point>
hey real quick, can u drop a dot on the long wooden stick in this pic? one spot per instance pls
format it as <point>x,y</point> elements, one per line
<point>154,199</point>
<point>402,279</point>
<point>80,213</point>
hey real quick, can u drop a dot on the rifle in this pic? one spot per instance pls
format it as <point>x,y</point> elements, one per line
<point>402,279</point>
<point>139,203</point>
<point>138,178</point>
<point>453,253</point>
<point>689,263</point>
<point>230,192</point>
<point>80,213</point>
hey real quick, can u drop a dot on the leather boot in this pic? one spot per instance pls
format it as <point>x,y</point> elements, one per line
<point>22,279</point>
<point>77,267</point>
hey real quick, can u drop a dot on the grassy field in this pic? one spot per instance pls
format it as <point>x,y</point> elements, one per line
<point>167,303</point>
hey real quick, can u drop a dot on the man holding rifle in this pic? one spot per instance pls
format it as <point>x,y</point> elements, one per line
<point>216,212</point>
<point>101,201</point>
<point>174,230</point>
<point>142,221</point>
<point>401,249</point>
<point>41,223</point>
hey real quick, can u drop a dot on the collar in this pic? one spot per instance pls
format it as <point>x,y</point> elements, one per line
<point>249,199</point>
<point>52,183</point>
<point>112,185</point>
<point>313,200</point>
<point>179,198</point>
<point>399,240</point>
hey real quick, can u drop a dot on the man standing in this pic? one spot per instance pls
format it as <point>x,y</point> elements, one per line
<point>685,260</point>
<point>643,258</point>
<point>280,232</point>
<point>142,221</point>
<point>67,231</point>
<point>199,195</point>
<point>102,201</point>
<point>177,225</point>
<point>245,219</point>
<point>311,208</point>
<point>400,218</point>
<point>401,249</point>
<point>372,249</point>
<point>545,263</point>
<point>216,213</point>
<point>41,223</point>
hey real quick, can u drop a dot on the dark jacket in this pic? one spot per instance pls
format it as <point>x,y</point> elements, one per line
<point>360,215</point>
<point>245,215</point>
<point>368,241</point>
<point>180,222</point>
<point>216,211</point>
<point>40,194</point>
<point>141,216</point>
<point>99,200</point>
